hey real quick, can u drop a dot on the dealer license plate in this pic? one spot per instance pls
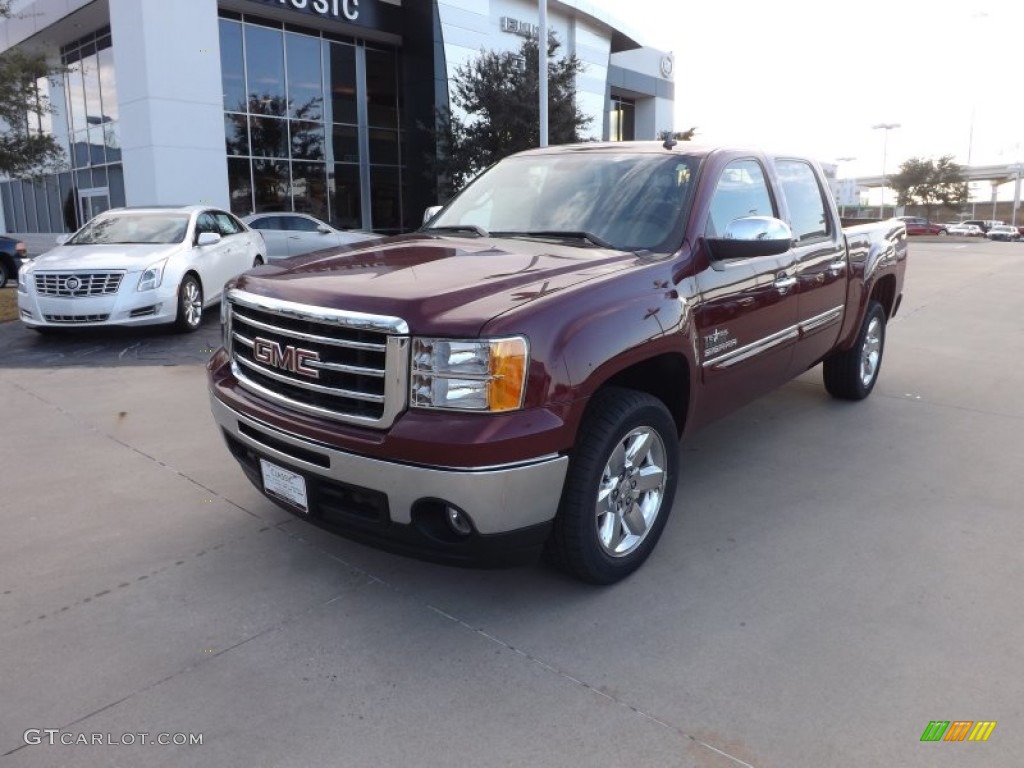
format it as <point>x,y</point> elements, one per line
<point>285,484</point>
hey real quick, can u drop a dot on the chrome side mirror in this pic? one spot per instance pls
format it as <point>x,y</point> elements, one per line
<point>430,213</point>
<point>752,236</point>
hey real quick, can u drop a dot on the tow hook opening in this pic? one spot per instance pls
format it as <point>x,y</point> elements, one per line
<point>441,520</point>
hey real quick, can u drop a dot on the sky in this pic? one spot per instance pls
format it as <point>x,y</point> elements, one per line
<point>815,77</point>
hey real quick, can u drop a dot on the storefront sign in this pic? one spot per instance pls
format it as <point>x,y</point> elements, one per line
<point>362,12</point>
<point>519,27</point>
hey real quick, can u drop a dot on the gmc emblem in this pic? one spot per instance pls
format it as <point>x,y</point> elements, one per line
<point>287,358</point>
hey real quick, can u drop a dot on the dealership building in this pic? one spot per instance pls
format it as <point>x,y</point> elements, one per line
<point>318,106</point>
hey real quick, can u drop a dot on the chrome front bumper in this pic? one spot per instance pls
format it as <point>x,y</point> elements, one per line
<point>497,499</point>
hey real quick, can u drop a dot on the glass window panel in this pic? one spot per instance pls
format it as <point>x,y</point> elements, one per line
<point>240,186</point>
<point>309,188</point>
<point>385,198</point>
<point>44,117</point>
<point>264,59</point>
<point>19,207</point>
<point>99,177</point>
<point>346,197</point>
<point>53,204</point>
<point>115,183</point>
<point>270,185</point>
<point>343,83</point>
<point>268,136</point>
<point>741,191</point>
<point>6,192</point>
<point>236,134</point>
<point>807,212</point>
<point>305,84</point>
<point>307,140</point>
<point>42,207</point>
<point>91,87</point>
<point>80,149</point>
<point>232,66</point>
<point>97,155</point>
<point>112,141</point>
<point>299,223</point>
<point>346,144</point>
<point>108,84</point>
<point>83,179</point>
<point>381,88</point>
<point>68,201</point>
<point>75,93</point>
<point>383,147</point>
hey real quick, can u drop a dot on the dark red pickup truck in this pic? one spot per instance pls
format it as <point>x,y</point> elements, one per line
<point>517,374</point>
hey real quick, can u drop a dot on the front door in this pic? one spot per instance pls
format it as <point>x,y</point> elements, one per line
<point>746,317</point>
<point>92,202</point>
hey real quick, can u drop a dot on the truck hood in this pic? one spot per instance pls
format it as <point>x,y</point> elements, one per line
<point>444,285</point>
<point>132,257</point>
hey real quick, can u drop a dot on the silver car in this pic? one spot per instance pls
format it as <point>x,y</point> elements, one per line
<point>291,234</point>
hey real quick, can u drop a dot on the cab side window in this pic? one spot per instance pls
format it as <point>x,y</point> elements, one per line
<point>741,191</point>
<point>808,213</point>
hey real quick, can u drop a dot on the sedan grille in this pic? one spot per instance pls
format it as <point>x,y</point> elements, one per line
<point>345,366</point>
<point>75,284</point>
<point>72,319</point>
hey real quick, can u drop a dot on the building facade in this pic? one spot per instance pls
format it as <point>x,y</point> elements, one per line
<point>310,105</point>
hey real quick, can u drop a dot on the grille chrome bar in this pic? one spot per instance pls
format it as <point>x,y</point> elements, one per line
<point>311,337</point>
<point>355,370</point>
<point>334,391</point>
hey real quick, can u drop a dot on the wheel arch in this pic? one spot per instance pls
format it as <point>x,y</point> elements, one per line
<point>665,376</point>
<point>884,292</point>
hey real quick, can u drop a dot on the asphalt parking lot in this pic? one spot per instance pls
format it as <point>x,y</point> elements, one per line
<point>834,577</point>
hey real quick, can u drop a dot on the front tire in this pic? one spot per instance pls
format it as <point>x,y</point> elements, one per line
<point>190,305</point>
<point>4,276</point>
<point>619,489</point>
<point>851,375</point>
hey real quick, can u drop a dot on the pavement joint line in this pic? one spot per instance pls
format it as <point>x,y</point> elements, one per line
<point>371,580</point>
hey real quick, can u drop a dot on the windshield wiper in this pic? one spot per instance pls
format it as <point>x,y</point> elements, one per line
<point>456,228</point>
<point>560,234</point>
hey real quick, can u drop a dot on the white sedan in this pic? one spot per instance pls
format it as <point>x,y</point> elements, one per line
<point>138,266</point>
<point>967,230</point>
<point>292,234</point>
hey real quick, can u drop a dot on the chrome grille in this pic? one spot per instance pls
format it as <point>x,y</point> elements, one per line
<point>345,366</point>
<point>81,283</point>
<point>72,319</point>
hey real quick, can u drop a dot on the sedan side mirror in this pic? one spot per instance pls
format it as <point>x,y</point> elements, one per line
<point>430,213</point>
<point>207,238</point>
<point>323,230</point>
<point>751,236</point>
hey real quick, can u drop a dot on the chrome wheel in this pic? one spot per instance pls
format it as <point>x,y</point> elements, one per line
<point>631,491</point>
<point>192,303</point>
<point>871,352</point>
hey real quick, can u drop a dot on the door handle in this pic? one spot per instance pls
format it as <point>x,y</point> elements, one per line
<point>783,283</point>
<point>837,267</point>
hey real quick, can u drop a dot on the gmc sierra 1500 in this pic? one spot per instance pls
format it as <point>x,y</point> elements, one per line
<point>518,374</point>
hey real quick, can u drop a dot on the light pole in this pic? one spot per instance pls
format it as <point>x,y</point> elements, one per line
<point>542,70</point>
<point>885,147</point>
<point>842,205</point>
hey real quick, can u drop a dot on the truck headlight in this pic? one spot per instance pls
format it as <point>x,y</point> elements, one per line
<point>152,276</point>
<point>469,375</point>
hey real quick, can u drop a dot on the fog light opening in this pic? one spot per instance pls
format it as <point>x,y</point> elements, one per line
<point>458,521</point>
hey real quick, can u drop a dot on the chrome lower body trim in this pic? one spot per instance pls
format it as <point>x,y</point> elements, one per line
<point>498,499</point>
<point>730,359</point>
<point>822,320</point>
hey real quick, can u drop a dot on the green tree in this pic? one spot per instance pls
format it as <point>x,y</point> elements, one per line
<point>929,183</point>
<point>24,148</point>
<point>678,135</point>
<point>497,111</point>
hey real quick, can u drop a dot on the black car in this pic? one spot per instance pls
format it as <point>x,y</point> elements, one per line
<point>11,253</point>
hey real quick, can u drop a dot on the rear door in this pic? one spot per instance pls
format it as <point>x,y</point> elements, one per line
<point>747,317</point>
<point>304,235</point>
<point>821,260</point>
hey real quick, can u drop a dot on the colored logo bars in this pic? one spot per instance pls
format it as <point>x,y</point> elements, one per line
<point>958,730</point>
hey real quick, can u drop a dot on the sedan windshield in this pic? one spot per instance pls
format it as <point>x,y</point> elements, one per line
<point>626,201</point>
<point>124,228</point>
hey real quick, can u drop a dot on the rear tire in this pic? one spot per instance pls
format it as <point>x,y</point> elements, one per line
<point>190,305</point>
<point>619,488</point>
<point>851,375</point>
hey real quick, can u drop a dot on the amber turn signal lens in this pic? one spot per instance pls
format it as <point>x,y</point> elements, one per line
<point>508,362</point>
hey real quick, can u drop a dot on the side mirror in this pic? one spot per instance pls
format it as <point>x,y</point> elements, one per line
<point>430,213</point>
<point>323,230</point>
<point>61,239</point>
<point>751,236</point>
<point>207,238</point>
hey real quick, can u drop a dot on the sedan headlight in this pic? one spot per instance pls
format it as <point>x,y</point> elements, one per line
<point>152,276</point>
<point>470,375</point>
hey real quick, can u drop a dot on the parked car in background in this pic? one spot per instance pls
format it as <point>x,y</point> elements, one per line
<point>918,226</point>
<point>1003,232</point>
<point>291,234</point>
<point>12,254</point>
<point>138,266</point>
<point>967,230</point>
<point>983,224</point>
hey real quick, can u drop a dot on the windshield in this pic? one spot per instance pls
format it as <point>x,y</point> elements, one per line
<point>626,201</point>
<point>123,228</point>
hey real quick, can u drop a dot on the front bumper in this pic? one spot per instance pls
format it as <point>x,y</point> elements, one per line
<point>402,506</point>
<point>126,307</point>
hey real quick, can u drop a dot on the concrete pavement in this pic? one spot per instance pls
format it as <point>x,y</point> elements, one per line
<point>834,577</point>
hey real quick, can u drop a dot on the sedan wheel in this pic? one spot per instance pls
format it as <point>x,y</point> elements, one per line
<point>190,305</point>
